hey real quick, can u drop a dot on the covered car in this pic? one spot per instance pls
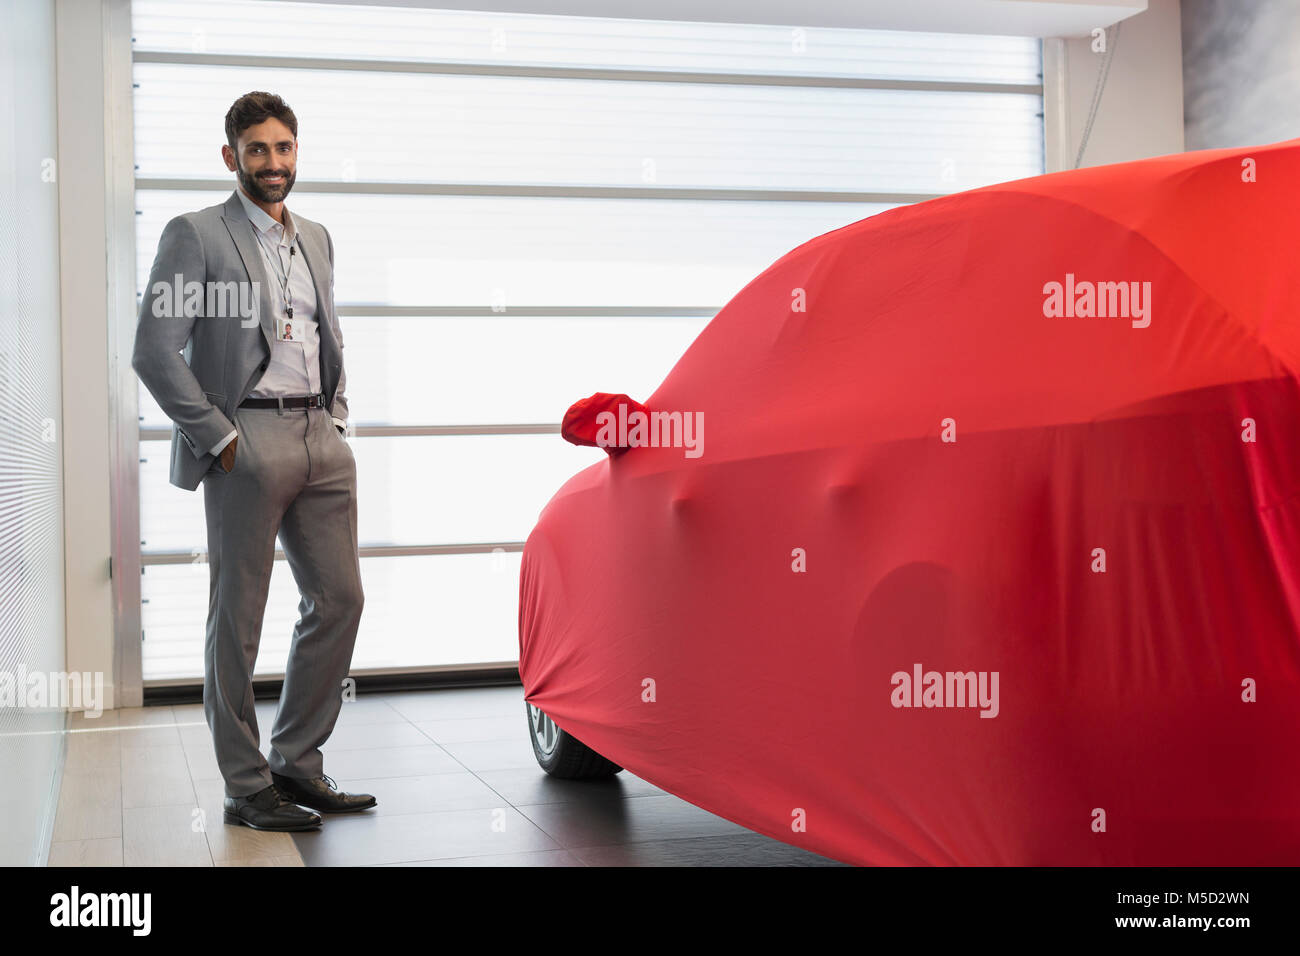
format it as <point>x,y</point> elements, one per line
<point>990,552</point>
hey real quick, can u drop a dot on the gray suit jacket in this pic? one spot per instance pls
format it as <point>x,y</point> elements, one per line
<point>194,350</point>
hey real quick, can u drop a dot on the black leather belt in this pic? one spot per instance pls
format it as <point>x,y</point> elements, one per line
<point>298,401</point>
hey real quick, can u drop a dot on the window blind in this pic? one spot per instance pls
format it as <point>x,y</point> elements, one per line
<point>526,209</point>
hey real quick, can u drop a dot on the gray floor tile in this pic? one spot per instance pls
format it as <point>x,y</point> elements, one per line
<point>163,836</point>
<point>348,765</point>
<point>529,785</point>
<point>638,820</point>
<point>147,727</point>
<point>199,756</point>
<point>102,852</point>
<point>745,849</point>
<point>454,774</point>
<point>538,858</point>
<point>155,777</point>
<point>426,794</point>
<point>459,702</point>
<point>90,805</point>
<point>362,839</point>
<point>368,710</point>
<point>188,713</point>
<point>92,750</point>
<point>483,755</point>
<point>80,721</point>
<point>472,729</point>
<point>364,736</point>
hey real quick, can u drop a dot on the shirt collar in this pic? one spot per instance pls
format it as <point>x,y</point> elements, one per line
<point>261,221</point>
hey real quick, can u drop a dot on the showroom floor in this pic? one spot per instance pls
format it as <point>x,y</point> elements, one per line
<point>453,772</point>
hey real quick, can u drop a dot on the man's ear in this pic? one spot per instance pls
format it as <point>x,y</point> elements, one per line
<point>228,155</point>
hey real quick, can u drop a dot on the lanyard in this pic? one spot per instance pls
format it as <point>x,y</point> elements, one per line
<point>288,273</point>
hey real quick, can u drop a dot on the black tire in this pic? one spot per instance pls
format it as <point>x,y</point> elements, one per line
<point>560,753</point>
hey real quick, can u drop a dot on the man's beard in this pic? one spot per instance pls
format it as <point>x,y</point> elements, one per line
<point>262,192</point>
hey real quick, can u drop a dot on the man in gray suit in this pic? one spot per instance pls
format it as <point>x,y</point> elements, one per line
<point>257,403</point>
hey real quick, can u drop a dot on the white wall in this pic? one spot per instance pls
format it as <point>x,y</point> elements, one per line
<point>92,279</point>
<point>1141,108</point>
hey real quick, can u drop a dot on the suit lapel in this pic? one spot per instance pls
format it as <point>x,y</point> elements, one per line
<point>318,263</point>
<point>316,258</point>
<point>241,231</point>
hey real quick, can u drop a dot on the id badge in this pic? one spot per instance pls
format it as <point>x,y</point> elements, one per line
<point>286,330</point>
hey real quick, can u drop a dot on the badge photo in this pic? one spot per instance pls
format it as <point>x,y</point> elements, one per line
<point>285,330</point>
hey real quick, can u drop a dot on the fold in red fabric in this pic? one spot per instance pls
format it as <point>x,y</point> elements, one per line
<point>993,554</point>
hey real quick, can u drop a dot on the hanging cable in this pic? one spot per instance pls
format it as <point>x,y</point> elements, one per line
<point>1096,95</point>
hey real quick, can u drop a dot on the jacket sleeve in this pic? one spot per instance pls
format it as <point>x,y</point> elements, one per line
<point>339,410</point>
<point>161,335</point>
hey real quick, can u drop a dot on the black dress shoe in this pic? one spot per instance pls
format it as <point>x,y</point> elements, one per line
<point>322,794</point>
<point>269,809</point>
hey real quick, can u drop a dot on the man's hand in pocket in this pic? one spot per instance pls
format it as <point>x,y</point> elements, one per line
<point>228,454</point>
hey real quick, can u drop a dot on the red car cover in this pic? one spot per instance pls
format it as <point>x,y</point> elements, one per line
<point>990,551</point>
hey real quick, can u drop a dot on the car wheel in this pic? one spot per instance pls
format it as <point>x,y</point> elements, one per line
<point>561,754</point>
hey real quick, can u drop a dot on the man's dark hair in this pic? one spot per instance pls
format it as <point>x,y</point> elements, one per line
<point>256,107</point>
